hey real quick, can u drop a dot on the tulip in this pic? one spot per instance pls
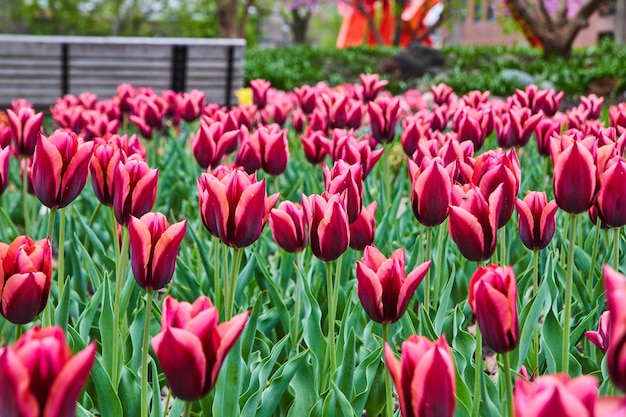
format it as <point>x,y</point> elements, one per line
<point>345,146</point>
<point>475,98</point>
<point>266,149</point>
<point>543,132</point>
<point>346,180</point>
<point>473,221</point>
<point>25,277</point>
<point>307,97</point>
<point>25,128</point>
<point>318,120</point>
<point>5,157</point>
<point>298,120</point>
<point>363,229</point>
<point>134,190</point>
<point>190,105</point>
<point>424,377</point>
<point>260,88</point>
<point>617,115</point>
<point>493,298</point>
<point>556,395</point>
<point>546,101</point>
<point>5,135</point>
<point>209,145</point>
<point>600,338</point>
<point>610,407</point>
<point>371,86</point>
<point>442,94</point>
<point>537,220</point>
<point>288,226</point>
<point>98,125</point>
<point>441,117</point>
<point>130,146</point>
<point>316,146</point>
<point>235,207</point>
<point>383,286</point>
<point>413,132</point>
<point>384,116</point>
<point>515,127</point>
<point>592,104</point>
<point>612,193</point>
<point>125,93</point>
<point>149,111</point>
<point>430,192</point>
<point>40,377</point>
<point>615,292</point>
<point>154,245</point>
<point>102,168</point>
<point>574,177</point>
<point>60,168</point>
<point>329,234</point>
<point>192,346</point>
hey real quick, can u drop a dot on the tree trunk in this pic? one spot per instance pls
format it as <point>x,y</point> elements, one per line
<point>227,18</point>
<point>299,26</point>
<point>620,22</point>
<point>556,32</point>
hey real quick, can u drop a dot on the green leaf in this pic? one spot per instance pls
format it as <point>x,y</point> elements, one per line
<point>105,325</point>
<point>228,386</point>
<point>62,312</point>
<point>304,392</point>
<point>552,342</point>
<point>529,320</point>
<point>344,403</point>
<point>279,383</point>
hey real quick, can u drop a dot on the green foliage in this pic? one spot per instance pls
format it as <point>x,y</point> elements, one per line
<point>467,67</point>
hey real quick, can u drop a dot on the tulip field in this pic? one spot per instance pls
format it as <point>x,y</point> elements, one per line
<point>326,251</point>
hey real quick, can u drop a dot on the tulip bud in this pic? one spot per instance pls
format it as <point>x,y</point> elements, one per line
<point>288,226</point>
<point>329,234</point>
<point>430,192</point>
<point>575,179</point>
<point>384,116</point>
<point>536,220</point>
<point>40,377</point>
<point>235,207</point>
<point>154,245</point>
<point>260,88</point>
<point>600,338</point>
<point>424,377</point>
<point>134,190</point>
<point>473,221</point>
<point>493,298</point>
<point>346,180</point>
<point>383,286</point>
<point>192,346</point>
<point>60,168</point>
<point>25,128</point>
<point>363,229</point>
<point>556,395</point>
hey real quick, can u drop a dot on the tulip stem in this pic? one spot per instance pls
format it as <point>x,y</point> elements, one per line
<point>506,374</point>
<point>46,317</point>
<point>387,176</point>
<point>535,292</point>
<point>594,257</point>
<point>144,355</point>
<point>25,196</point>
<point>616,245</point>
<point>61,260</point>
<point>503,260</point>
<point>18,331</point>
<point>187,409</point>
<point>217,281</point>
<point>119,285</point>
<point>441,234</point>
<point>429,242</point>
<point>232,282</point>
<point>478,369</point>
<point>331,319</point>
<point>569,279</point>
<point>298,302</point>
<point>388,387</point>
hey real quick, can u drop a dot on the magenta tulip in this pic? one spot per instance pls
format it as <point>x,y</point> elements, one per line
<point>211,142</point>
<point>600,337</point>
<point>615,292</point>
<point>192,346</point>
<point>575,177</point>
<point>60,168</point>
<point>346,180</point>
<point>372,85</point>
<point>383,286</point>
<point>40,377</point>
<point>536,220</point>
<point>384,114</point>
<point>362,231</point>
<point>260,88</point>
<point>424,377</point>
<point>5,158</point>
<point>515,126</point>
<point>493,298</point>
<point>288,226</point>
<point>612,193</point>
<point>329,234</point>
<point>134,190</point>
<point>556,395</point>
<point>442,94</point>
<point>430,192</point>
<point>25,128</point>
<point>315,145</point>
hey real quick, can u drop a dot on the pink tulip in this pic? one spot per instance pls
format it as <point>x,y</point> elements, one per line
<point>556,395</point>
<point>600,338</point>
<point>575,176</point>
<point>315,145</point>
<point>346,180</point>
<point>25,128</point>
<point>372,85</point>
<point>384,116</point>
<point>260,88</point>
<point>612,193</point>
<point>615,292</point>
<point>442,94</point>
<point>329,234</point>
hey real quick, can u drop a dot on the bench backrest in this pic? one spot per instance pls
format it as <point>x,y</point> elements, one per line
<point>42,68</point>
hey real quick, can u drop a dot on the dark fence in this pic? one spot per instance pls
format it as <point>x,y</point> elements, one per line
<point>42,68</point>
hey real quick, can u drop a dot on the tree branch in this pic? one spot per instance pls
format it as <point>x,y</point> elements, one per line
<point>371,25</point>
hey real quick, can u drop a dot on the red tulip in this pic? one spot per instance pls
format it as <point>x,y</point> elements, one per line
<point>154,245</point>
<point>190,105</point>
<point>25,275</point>
<point>473,125</point>
<point>546,101</point>
<point>493,299</point>
<point>329,234</point>
<point>424,377</point>
<point>473,221</point>
<point>211,142</point>
<point>615,292</point>
<point>612,193</point>
<point>260,88</point>
<point>372,85</point>
<point>346,180</point>
<point>315,145</point>
<point>134,190</point>
<point>25,128</point>
<point>192,346</point>
<point>131,146</point>
<point>556,395</point>
<point>600,338</point>
<point>413,134</point>
<point>266,149</point>
<point>537,220</point>
<point>5,158</point>
<point>235,207</point>
<point>383,286</point>
<point>515,127</point>
<point>40,377</point>
<point>288,226</point>
<point>384,116</point>
<point>430,192</point>
<point>363,229</point>
<point>543,132</point>
<point>102,167</point>
<point>347,147</point>
<point>98,124</point>
<point>60,168</point>
<point>574,177</point>
<point>149,111</point>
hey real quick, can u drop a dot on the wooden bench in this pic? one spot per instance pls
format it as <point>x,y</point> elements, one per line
<point>43,68</point>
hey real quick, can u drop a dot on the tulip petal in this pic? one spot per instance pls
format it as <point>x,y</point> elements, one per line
<point>23,297</point>
<point>467,233</point>
<point>141,245</point>
<point>144,193</point>
<point>394,367</point>
<point>249,215</point>
<point>228,333</point>
<point>433,386</point>
<point>46,172</point>
<point>412,281</point>
<point>75,175</point>
<point>69,383</point>
<point>15,396</point>
<point>184,365</point>
<point>575,179</point>
<point>214,205</point>
<point>495,318</point>
<point>165,252</point>
<point>333,231</point>
<point>370,291</point>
